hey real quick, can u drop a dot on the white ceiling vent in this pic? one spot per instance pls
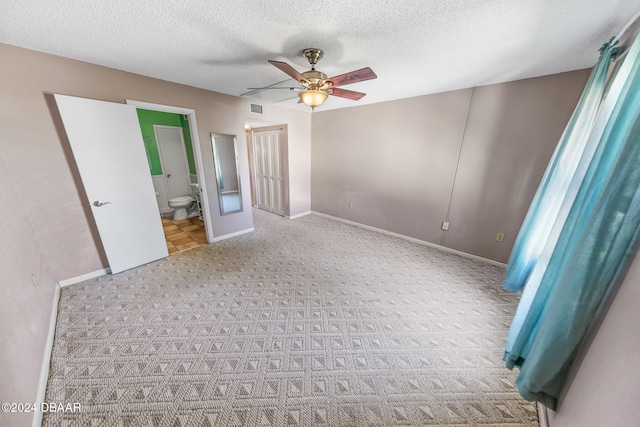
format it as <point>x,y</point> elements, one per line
<point>255,108</point>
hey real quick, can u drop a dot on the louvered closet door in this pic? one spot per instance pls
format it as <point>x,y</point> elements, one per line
<point>267,148</point>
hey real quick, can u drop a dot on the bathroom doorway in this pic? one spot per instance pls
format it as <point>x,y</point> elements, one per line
<point>183,163</point>
<point>186,231</point>
<point>170,155</point>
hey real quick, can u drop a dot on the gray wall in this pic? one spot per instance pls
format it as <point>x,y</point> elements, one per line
<point>393,161</point>
<point>471,157</point>
<point>25,309</point>
<point>46,231</point>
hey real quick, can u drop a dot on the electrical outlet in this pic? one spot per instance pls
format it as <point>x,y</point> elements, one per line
<point>500,237</point>
<point>445,225</point>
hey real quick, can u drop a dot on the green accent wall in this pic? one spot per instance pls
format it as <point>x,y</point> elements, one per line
<point>147,119</point>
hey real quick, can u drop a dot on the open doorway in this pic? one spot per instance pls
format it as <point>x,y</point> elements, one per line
<point>194,227</point>
<point>169,149</point>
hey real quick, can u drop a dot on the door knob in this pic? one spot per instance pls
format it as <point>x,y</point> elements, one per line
<point>98,203</point>
<point>168,175</point>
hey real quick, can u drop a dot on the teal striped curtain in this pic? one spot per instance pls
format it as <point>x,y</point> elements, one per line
<point>579,263</point>
<point>555,189</point>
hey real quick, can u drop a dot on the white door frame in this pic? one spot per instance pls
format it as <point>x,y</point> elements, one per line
<point>185,161</point>
<point>197,153</point>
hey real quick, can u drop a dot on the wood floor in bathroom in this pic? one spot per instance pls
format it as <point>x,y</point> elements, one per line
<point>183,234</point>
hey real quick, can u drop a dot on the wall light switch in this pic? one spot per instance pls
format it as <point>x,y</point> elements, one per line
<point>350,204</point>
<point>500,237</point>
<point>445,225</point>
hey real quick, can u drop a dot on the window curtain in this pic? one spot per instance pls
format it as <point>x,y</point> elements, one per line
<point>554,190</point>
<point>594,219</point>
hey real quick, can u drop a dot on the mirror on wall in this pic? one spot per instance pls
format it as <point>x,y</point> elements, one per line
<point>225,157</point>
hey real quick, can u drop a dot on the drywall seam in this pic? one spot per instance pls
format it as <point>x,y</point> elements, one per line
<point>455,175</point>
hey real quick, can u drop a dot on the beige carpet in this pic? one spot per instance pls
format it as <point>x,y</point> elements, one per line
<point>306,322</point>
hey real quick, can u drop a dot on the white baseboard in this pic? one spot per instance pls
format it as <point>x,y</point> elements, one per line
<point>83,277</point>
<point>46,360</point>
<point>414,240</point>
<point>237,233</point>
<point>299,215</point>
<point>543,418</point>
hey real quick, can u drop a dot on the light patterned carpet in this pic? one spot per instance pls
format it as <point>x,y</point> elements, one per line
<point>306,322</point>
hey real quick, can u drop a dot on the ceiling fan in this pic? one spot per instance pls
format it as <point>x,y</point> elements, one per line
<point>315,86</point>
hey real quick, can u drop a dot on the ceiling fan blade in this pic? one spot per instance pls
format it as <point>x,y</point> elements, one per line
<point>288,69</point>
<point>255,90</point>
<point>353,77</point>
<point>349,94</point>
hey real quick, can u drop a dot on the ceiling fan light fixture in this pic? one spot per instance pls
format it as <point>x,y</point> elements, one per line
<point>315,87</point>
<point>313,98</point>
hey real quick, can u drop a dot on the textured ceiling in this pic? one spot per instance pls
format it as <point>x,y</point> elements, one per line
<point>415,47</point>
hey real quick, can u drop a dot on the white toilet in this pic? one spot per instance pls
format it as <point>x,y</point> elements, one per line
<point>180,204</point>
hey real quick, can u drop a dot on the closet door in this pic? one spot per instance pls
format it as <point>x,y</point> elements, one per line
<point>269,169</point>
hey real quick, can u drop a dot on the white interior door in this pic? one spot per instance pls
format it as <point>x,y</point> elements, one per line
<point>174,160</point>
<point>269,170</point>
<point>106,141</point>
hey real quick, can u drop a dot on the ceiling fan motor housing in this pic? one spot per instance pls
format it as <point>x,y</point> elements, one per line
<point>313,55</point>
<point>316,80</point>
